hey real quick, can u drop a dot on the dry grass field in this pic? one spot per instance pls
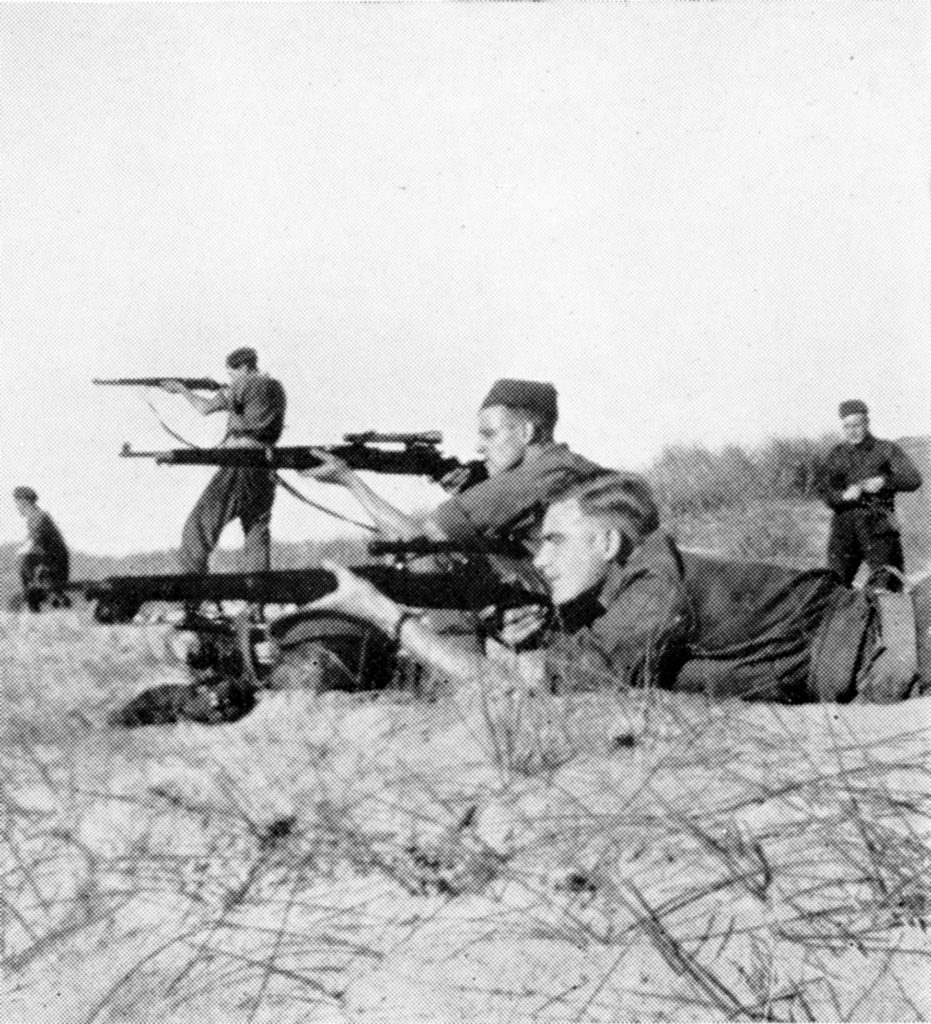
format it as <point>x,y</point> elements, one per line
<point>379,858</point>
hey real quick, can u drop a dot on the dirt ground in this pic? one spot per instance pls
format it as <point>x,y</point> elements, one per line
<point>359,858</point>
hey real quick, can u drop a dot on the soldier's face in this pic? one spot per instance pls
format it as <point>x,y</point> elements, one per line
<point>502,438</point>
<point>22,507</point>
<point>856,427</point>
<point>575,550</point>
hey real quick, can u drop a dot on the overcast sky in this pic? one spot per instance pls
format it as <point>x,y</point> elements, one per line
<point>703,222</point>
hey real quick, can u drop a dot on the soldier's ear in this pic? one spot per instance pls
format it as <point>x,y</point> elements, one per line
<point>617,545</point>
<point>612,543</point>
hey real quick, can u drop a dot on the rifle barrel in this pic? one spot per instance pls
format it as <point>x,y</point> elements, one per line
<point>193,383</point>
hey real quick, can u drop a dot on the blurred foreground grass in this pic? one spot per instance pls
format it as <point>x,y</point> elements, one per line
<point>375,858</point>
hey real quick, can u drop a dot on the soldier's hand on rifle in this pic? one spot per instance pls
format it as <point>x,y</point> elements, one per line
<point>356,596</point>
<point>852,492</point>
<point>332,469</point>
<point>173,387</point>
<point>520,624</point>
<point>873,484</point>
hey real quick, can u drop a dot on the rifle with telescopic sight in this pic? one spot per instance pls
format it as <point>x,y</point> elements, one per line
<point>416,454</point>
<point>467,587</point>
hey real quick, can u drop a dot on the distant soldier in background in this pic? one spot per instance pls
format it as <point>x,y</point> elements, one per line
<point>256,405</point>
<point>44,563</point>
<point>858,481</point>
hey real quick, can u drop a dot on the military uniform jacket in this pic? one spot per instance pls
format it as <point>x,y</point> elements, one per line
<point>256,405</point>
<point>47,544</point>
<point>848,464</point>
<point>686,622</point>
<point>510,506</point>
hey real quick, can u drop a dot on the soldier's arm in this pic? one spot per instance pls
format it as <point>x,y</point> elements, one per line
<point>904,474</point>
<point>357,597</point>
<point>832,484</point>
<point>390,520</point>
<point>202,403</point>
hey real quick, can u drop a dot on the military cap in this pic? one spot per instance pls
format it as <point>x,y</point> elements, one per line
<point>851,407</point>
<point>244,356</point>
<point>25,494</point>
<point>534,395</point>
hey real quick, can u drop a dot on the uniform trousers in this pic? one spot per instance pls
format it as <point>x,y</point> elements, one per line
<point>43,579</point>
<point>233,493</point>
<point>864,535</point>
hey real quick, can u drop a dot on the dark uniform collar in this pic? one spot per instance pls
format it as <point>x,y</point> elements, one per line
<point>656,550</point>
<point>582,610</point>
<point>537,450</point>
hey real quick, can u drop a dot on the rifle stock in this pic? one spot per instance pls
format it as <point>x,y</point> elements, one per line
<point>120,598</point>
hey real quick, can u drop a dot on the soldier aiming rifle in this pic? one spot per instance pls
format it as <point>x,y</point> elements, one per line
<point>255,404</point>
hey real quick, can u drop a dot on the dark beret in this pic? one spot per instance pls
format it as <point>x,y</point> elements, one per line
<point>244,356</point>
<point>25,494</point>
<point>534,395</point>
<point>851,407</point>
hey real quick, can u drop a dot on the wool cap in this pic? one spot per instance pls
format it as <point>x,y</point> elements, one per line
<point>25,494</point>
<point>244,356</point>
<point>851,407</point>
<point>534,395</point>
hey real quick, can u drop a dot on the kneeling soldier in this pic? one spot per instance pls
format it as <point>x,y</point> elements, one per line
<point>43,566</point>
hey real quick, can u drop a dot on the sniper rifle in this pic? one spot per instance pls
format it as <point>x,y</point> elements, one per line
<point>120,598</point>
<point>416,454</point>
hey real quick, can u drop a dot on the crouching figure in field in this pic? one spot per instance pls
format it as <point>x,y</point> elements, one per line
<point>631,609</point>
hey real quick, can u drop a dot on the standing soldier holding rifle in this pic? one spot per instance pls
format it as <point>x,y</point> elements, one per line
<point>256,404</point>
<point>859,482</point>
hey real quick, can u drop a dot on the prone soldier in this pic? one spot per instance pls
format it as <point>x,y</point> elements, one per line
<point>858,482</point>
<point>631,609</point>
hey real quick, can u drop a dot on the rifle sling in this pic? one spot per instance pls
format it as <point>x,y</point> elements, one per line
<point>290,488</point>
